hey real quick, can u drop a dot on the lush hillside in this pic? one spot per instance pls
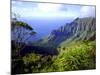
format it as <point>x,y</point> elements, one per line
<point>79,56</point>
<point>79,29</point>
<point>75,43</point>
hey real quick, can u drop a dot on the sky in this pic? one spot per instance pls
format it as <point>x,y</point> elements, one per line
<point>45,17</point>
<point>48,10</point>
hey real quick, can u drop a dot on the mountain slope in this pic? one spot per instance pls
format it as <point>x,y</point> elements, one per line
<point>79,29</point>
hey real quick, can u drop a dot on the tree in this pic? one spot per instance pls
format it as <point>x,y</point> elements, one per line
<point>21,32</point>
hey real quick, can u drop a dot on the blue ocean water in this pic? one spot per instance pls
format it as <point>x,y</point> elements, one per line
<point>44,26</point>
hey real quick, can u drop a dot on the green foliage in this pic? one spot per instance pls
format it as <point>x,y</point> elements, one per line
<point>31,58</point>
<point>74,52</point>
<point>21,32</point>
<point>37,63</point>
<point>77,57</point>
<point>22,24</point>
<point>25,25</point>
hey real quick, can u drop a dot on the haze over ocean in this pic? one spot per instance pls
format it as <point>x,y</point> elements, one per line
<point>43,27</point>
<point>45,17</point>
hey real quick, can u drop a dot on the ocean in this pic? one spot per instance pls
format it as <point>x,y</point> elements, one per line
<point>44,26</point>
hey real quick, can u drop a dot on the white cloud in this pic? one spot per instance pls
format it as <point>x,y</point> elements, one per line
<point>47,7</point>
<point>40,10</point>
<point>29,9</point>
<point>87,11</point>
<point>48,10</point>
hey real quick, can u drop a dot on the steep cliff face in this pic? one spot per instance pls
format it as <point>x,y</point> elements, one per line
<point>79,29</point>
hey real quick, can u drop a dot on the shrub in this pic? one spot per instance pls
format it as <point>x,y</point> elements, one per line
<point>76,57</point>
<point>79,56</point>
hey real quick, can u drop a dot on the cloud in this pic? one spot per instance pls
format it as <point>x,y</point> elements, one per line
<point>40,10</point>
<point>31,9</point>
<point>47,7</point>
<point>45,10</point>
<point>48,10</point>
<point>87,11</point>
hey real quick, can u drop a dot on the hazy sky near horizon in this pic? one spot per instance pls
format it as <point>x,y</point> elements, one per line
<point>45,17</point>
<point>48,10</point>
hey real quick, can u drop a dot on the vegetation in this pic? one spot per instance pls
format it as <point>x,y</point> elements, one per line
<point>79,56</point>
<point>79,29</point>
<point>21,33</point>
<point>76,46</point>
